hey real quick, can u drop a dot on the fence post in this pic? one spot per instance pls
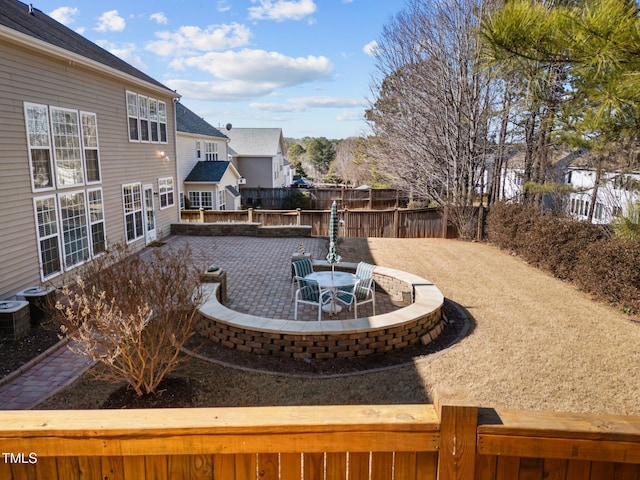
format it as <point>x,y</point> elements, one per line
<point>480,231</point>
<point>396,223</point>
<point>298,219</point>
<point>458,445</point>
<point>345,217</point>
<point>201,214</point>
<point>445,221</point>
<point>250,215</point>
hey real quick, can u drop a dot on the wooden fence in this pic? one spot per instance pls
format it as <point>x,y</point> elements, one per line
<point>394,223</point>
<point>322,198</point>
<point>374,442</point>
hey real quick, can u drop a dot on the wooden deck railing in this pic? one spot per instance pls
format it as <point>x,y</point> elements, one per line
<point>398,442</point>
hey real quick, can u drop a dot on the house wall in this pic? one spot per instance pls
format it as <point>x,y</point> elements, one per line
<point>187,153</point>
<point>28,76</point>
<point>257,170</point>
<point>188,157</point>
<point>230,178</point>
<point>615,194</point>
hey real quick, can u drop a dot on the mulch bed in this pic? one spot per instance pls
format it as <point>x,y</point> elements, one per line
<point>457,324</point>
<point>15,353</point>
<point>173,392</point>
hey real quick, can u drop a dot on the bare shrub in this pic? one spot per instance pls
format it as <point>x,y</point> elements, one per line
<point>133,314</point>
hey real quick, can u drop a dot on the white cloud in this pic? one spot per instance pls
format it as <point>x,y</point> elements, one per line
<point>370,48</point>
<point>350,116</point>
<point>160,18</point>
<point>126,52</point>
<point>111,22</point>
<point>281,10</point>
<point>65,15</point>
<point>223,6</point>
<point>301,104</point>
<point>188,40</point>
<point>219,91</point>
<point>260,66</point>
<point>249,74</point>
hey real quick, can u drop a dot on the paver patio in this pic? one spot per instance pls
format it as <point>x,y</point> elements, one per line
<point>258,283</point>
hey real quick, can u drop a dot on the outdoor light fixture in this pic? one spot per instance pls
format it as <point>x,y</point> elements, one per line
<point>165,156</point>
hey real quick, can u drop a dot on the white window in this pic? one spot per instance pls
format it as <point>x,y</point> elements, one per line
<point>48,237</point>
<point>222,204</point>
<point>132,200</point>
<point>37,122</point>
<point>165,188</point>
<point>132,116</point>
<point>73,218</point>
<point>96,222</point>
<point>153,118</point>
<point>90,145</point>
<point>198,149</point>
<point>143,107</point>
<point>210,151</point>
<point>65,129</point>
<point>162,121</point>
<point>599,211</point>
<point>201,199</point>
<point>147,118</point>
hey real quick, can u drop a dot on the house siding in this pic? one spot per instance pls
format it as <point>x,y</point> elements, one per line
<point>258,171</point>
<point>187,155</point>
<point>28,76</point>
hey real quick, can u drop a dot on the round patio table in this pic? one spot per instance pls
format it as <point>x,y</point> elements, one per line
<point>333,281</point>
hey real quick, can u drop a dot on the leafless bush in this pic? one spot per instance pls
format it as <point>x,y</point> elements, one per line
<point>133,314</point>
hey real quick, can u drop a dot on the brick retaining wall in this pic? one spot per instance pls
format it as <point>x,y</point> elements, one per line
<point>242,229</point>
<point>421,321</point>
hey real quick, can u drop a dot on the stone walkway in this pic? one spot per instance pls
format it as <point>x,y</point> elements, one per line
<point>48,376</point>
<point>258,283</point>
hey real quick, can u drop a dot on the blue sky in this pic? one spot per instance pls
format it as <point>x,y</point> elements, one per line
<point>302,65</point>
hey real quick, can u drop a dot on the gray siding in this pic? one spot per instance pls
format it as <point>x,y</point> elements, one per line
<point>26,76</point>
<point>257,170</point>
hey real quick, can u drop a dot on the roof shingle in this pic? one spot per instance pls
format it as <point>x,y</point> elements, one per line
<point>208,171</point>
<point>189,122</point>
<point>34,23</point>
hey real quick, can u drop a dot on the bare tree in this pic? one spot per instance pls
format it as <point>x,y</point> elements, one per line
<point>433,101</point>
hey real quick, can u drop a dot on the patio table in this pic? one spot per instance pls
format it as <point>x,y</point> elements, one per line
<point>333,281</point>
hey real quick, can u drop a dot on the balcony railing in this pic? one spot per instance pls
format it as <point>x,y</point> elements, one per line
<point>373,442</point>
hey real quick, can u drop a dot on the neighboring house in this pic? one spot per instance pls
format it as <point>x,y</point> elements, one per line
<point>87,151</point>
<point>616,193</point>
<point>259,156</point>
<point>208,179</point>
<point>617,190</point>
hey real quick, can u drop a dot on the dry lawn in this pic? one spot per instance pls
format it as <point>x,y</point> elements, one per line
<point>536,343</point>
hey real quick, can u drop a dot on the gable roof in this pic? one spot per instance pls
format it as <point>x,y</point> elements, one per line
<point>207,171</point>
<point>255,142</point>
<point>188,122</point>
<point>30,21</point>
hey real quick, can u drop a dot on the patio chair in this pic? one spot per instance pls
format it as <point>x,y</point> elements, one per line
<point>364,291</point>
<point>309,293</point>
<point>301,268</point>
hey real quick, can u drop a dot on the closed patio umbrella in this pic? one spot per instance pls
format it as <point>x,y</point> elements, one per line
<point>332,256</point>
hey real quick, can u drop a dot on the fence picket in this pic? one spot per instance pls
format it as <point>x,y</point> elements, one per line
<point>396,223</point>
<point>290,466</point>
<point>336,466</point>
